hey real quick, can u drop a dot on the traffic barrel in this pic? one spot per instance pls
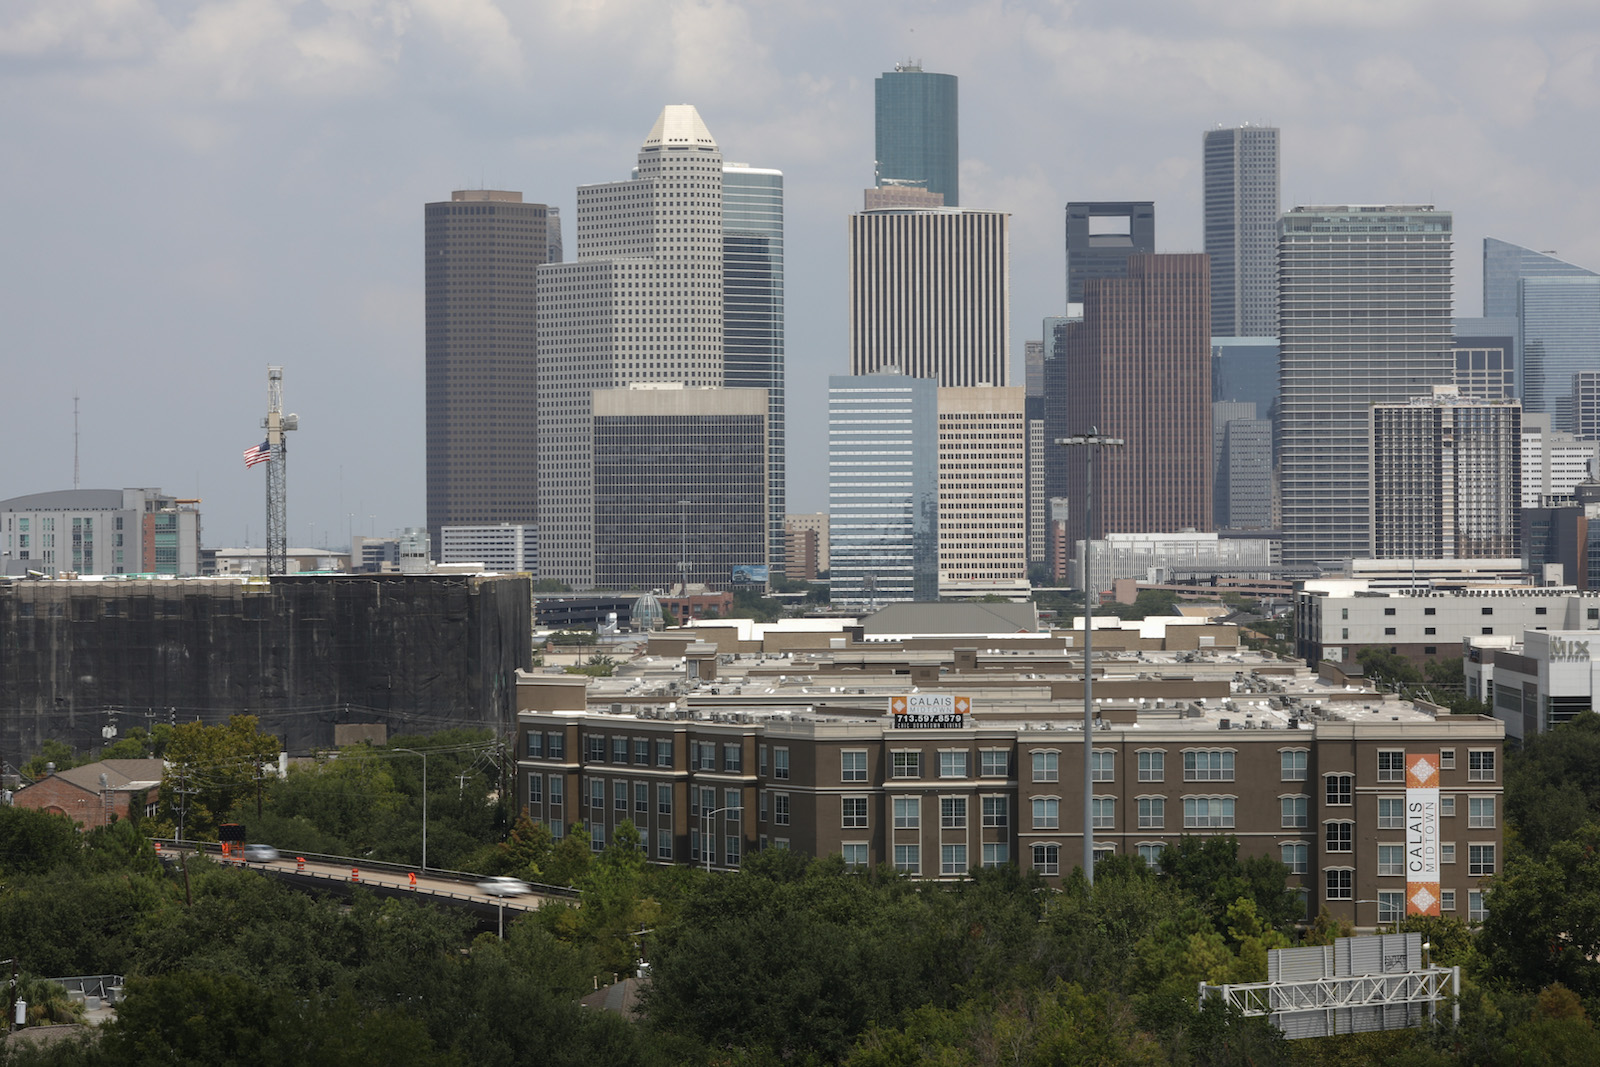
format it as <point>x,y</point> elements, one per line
<point>299,865</point>
<point>413,876</point>
<point>355,875</point>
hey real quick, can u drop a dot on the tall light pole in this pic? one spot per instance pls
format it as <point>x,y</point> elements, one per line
<point>683,548</point>
<point>705,836</point>
<point>424,756</point>
<point>1094,440</point>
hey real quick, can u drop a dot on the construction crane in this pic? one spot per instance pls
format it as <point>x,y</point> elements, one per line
<point>276,423</point>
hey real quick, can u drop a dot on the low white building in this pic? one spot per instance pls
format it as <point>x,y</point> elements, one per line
<point>507,547</point>
<point>1541,680</point>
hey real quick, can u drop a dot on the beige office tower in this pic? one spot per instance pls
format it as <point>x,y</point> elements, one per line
<point>930,295</point>
<point>983,507</point>
<point>641,302</point>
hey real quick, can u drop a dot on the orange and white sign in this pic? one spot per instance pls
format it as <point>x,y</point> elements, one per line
<point>930,710</point>
<point>1422,833</point>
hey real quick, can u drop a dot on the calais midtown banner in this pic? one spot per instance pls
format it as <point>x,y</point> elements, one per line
<point>1422,833</point>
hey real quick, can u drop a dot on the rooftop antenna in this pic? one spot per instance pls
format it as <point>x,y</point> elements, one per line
<point>74,439</point>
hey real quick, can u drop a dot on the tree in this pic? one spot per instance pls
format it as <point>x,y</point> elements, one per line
<point>140,743</point>
<point>210,768</point>
<point>52,751</point>
<point>1544,916</point>
<point>1387,668</point>
<point>1553,784</point>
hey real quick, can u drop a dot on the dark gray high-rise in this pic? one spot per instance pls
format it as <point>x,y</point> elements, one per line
<point>481,253</point>
<point>1101,235</point>
<point>1241,226</point>
<point>916,122</point>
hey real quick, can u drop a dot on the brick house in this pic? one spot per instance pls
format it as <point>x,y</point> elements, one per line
<point>90,795</point>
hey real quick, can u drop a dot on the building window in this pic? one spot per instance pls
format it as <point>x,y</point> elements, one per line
<point>996,811</point>
<point>1447,900</point>
<point>855,813</point>
<point>908,765</point>
<point>1391,861</point>
<point>1480,765</point>
<point>1391,813</point>
<point>597,838</point>
<point>664,844</point>
<point>1391,905</point>
<point>1047,859</point>
<point>907,813</point>
<point>780,764</point>
<point>1388,631</point>
<point>1104,813</point>
<point>1292,811</point>
<point>854,853</point>
<point>1476,912</point>
<point>1487,630</point>
<point>1447,806</point>
<point>1388,611</point>
<point>619,750</point>
<point>597,795</point>
<point>1341,836</point>
<point>535,746</point>
<point>952,765</point>
<point>706,760</point>
<point>733,758</point>
<point>619,793</point>
<point>994,763</point>
<point>1047,766</point>
<point>1487,611</point>
<point>555,746</point>
<point>780,809</point>
<point>1151,854</point>
<point>1292,764</point>
<point>761,760</point>
<point>908,859</point>
<point>1430,611</point>
<point>1102,765</point>
<point>1207,813</point>
<point>1046,813</point>
<point>1340,788</point>
<point>555,790</point>
<point>996,853</point>
<point>535,789</point>
<point>733,803</point>
<point>1447,852</point>
<point>1480,812</point>
<point>1340,884</point>
<point>1295,856</point>
<point>952,859</point>
<point>1152,766</point>
<point>664,799</point>
<point>595,749</point>
<point>641,798</point>
<point>1208,765</point>
<point>641,751</point>
<point>953,813</point>
<point>1391,766</point>
<point>853,765</point>
<point>663,753</point>
<point>733,843</point>
<point>1447,759</point>
<point>1152,813</point>
<point>1480,860</point>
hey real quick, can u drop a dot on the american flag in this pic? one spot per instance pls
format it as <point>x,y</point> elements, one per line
<point>261,453</point>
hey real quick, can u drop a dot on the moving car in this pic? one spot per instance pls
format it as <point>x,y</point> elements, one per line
<point>501,886</point>
<point>259,853</point>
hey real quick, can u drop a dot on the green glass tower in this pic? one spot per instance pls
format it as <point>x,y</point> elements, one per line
<point>917,139</point>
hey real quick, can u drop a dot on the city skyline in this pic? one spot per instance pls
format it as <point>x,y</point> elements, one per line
<point>265,177</point>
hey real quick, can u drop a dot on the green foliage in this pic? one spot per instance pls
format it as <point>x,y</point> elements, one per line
<point>550,585</point>
<point>52,751</point>
<point>1553,784</point>
<point>139,743</point>
<point>750,604</point>
<point>1148,602</point>
<point>570,857</point>
<point>573,637</point>
<point>1387,668</point>
<point>1210,870</point>
<point>34,841</point>
<point>1544,916</point>
<point>220,765</point>
<point>597,666</point>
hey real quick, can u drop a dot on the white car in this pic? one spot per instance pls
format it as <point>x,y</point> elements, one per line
<point>259,853</point>
<point>501,886</point>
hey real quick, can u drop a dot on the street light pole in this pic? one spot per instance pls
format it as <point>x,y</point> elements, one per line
<point>1094,440</point>
<point>424,756</point>
<point>705,835</point>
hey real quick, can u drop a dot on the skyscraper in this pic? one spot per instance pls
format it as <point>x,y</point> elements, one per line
<point>930,295</point>
<point>1241,227</point>
<point>916,124</point>
<point>1446,477</point>
<point>1558,337</point>
<point>642,302</point>
<point>481,251</point>
<point>1141,358</point>
<point>883,505</point>
<point>1101,235</point>
<point>1364,318</point>
<point>983,502</point>
<point>752,316</point>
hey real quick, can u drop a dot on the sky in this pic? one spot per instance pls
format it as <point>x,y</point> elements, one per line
<point>195,190</point>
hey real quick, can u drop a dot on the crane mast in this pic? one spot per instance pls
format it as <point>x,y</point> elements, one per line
<point>276,423</point>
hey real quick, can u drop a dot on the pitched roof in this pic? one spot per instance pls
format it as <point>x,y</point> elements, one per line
<point>120,774</point>
<point>976,618</point>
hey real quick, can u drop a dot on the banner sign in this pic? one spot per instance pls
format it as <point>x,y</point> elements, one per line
<point>1422,833</point>
<point>929,711</point>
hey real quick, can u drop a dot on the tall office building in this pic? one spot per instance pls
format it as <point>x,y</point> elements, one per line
<point>680,484</point>
<point>1558,338</point>
<point>883,505</point>
<point>1241,451</point>
<point>752,317</point>
<point>642,302</point>
<point>1484,351</point>
<point>1101,235</point>
<point>1586,405</point>
<point>1505,265</point>
<point>917,139</point>
<point>1554,463</point>
<point>983,503</point>
<point>930,295</point>
<point>1141,358</point>
<point>1363,319</point>
<point>481,252</point>
<point>1241,227</point>
<point>1446,477</point>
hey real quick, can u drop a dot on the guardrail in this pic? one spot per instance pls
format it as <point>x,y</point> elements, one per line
<point>465,877</point>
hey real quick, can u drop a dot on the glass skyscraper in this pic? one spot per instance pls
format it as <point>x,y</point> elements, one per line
<point>916,122</point>
<point>1554,307</point>
<point>1241,224</point>
<point>752,315</point>
<point>1363,319</point>
<point>883,502</point>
